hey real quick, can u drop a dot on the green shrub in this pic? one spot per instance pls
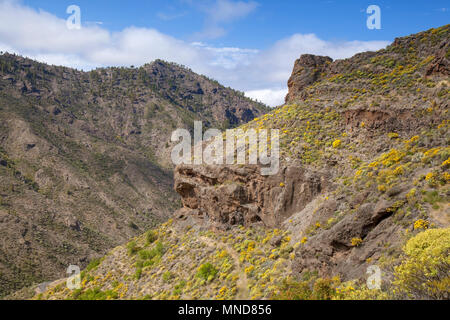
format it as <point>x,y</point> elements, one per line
<point>151,236</point>
<point>132,248</point>
<point>138,273</point>
<point>432,197</point>
<point>310,288</point>
<point>167,276</point>
<point>179,287</point>
<point>93,264</point>
<point>94,294</point>
<point>158,250</point>
<point>324,289</point>
<point>207,272</point>
<point>292,290</point>
<point>145,254</point>
<point>150,257</point>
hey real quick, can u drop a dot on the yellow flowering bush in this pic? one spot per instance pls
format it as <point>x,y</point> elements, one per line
<point>337,144</point>
<point>399,170</point>
<point>356,242</point>
<point>411,193</point>
<point>392,157</point>
<point>446,177</point>
<point>424,274</point>
<point>429,176</point>
<point>446,163</point>
<point>421,224</point>
<point>249,269</point>
<point>350,291</point>
<point>393,135</point>
<point>430,154</point>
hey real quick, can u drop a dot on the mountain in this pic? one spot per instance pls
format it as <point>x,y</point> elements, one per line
<point>85,157</point>
<point>361,198</point>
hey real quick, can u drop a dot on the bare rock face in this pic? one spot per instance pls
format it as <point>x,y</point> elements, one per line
<point>232,195</point>
<point>306,71</point>
<point>331,252</point>
<point>440,65</point>
<point>383,120</point>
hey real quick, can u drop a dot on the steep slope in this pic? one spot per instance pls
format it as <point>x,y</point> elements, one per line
<point>177,261</point>
<point>84,157</point>
<point>364,170</point>
<point>365,153</point>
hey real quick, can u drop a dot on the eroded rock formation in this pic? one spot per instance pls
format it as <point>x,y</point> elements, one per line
<point>233,195</point>
<point>307,70</point>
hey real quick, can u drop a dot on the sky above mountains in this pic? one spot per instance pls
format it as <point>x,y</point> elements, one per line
<point>248,45</point>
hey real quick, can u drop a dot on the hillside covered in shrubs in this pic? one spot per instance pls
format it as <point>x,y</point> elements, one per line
<point>363,184</point>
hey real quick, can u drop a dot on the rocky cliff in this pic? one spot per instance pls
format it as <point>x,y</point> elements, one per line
<point>240,195</point>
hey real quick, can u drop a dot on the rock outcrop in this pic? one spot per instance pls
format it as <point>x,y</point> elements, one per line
<point>332,253</point>
<point>234,195</point>
<point>307,70</point>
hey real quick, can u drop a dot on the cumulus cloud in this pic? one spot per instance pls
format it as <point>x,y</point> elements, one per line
<point>261,74</point>
<point>228,57</point>
<point>170,16</point>
<point>43,35</point>
<point>222,12</point>
<point>274,66</point>
<point>271,97</point>
<point>227,11</point>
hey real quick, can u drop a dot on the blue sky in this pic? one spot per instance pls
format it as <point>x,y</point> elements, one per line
<point>269,21</point>
<point>249,45</point>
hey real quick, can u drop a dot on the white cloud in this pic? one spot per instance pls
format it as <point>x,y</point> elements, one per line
<point>228,57</point>
<point>272,97</point>
<point>170,16</point>
<point>268,72</point>
<point>276,63</point>
<point>261,74</point>
<point>223,12</point>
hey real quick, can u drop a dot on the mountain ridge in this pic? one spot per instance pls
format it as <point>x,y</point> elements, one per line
<point>85,157</point>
